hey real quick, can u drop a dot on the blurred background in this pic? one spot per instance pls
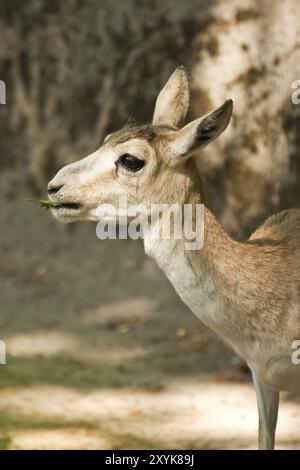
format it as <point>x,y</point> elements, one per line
<point>101,353</point>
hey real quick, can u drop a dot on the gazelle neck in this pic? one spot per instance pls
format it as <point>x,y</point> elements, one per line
<point>200,276</point>
<point>186,190</point>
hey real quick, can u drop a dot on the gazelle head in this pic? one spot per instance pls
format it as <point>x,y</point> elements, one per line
<point>147,164</point>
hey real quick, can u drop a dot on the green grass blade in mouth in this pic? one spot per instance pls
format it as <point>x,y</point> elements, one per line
<point>45,203</point>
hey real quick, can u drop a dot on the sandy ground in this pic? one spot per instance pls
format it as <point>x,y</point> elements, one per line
<point>101,353</point>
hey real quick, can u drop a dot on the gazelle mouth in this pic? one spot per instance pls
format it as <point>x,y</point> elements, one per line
<point>67,205</point>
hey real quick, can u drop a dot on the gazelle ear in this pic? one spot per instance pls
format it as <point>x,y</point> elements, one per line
<point>200,132</point>
<point>173,101</point>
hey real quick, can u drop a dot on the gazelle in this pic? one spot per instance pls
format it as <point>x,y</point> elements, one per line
<point>247,292</point>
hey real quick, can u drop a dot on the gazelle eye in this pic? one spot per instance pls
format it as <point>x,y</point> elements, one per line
<point>130,162</point>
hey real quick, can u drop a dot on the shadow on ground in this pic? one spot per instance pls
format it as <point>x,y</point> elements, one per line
<point>101,353</point>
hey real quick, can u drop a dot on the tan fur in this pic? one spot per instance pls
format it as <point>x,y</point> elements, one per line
<point>173,101</point>
<point>247,292</point>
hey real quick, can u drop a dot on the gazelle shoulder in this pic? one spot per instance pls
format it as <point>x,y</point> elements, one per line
<point>282,228</point>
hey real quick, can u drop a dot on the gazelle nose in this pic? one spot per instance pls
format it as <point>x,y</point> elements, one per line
<point>52,189</point>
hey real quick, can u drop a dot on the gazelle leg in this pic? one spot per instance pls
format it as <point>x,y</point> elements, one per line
<point>267,402</point>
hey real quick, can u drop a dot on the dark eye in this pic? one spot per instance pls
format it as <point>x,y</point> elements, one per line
<point>130,162</point>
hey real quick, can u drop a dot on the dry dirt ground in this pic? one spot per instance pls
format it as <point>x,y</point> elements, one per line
<point>101,353</point>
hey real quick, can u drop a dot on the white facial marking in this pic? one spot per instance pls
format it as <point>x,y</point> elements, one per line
<point>97,163</point>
